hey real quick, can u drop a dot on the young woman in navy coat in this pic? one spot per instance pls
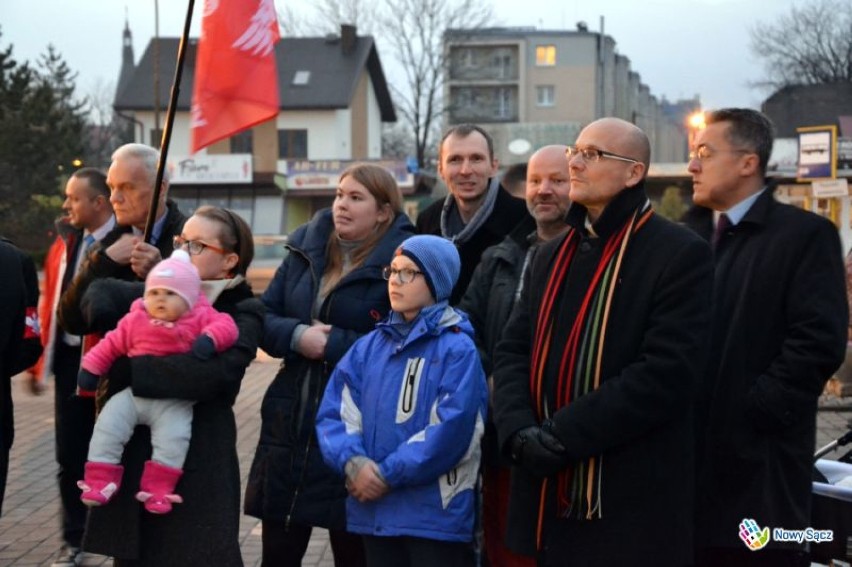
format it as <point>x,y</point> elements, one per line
<point>328,292</point>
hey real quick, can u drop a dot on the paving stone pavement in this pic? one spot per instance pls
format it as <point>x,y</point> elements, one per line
<point>29,526</point>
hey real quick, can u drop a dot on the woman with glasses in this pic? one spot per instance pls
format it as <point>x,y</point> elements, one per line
<point>204,528</point>
<point>328,292</point>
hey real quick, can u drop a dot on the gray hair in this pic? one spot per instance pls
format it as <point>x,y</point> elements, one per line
<point>147,155</point>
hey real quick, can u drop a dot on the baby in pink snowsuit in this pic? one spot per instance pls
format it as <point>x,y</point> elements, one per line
<point>172,317</point>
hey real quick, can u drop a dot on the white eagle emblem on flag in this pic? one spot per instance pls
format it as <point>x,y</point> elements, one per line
<point>260,37</point>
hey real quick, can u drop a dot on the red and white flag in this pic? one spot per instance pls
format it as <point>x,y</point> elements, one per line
<point>236,80</point>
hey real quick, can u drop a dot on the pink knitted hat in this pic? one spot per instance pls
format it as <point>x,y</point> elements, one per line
<point>176,274</point>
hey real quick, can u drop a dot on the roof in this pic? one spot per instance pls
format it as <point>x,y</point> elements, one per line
<point>334,75</point>
<point>798,106</point>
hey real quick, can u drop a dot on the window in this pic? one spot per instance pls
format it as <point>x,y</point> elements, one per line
<point>504,103</point>
<point>292,144</point>
<point>502,61</point>
<point>156,137</point>
<point>242,143</point>
<point>301,78</point>
<point>466,58</point>
<point>545,55</point>
<point>544,95</point>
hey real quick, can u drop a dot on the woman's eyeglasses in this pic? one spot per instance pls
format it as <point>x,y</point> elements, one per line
<point>195,247</point>
<point>403,276</point>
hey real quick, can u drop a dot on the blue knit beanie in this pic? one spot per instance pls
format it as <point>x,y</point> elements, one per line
<point>437,258</point>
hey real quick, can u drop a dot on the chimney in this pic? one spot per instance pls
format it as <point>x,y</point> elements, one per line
<point>348,38</point>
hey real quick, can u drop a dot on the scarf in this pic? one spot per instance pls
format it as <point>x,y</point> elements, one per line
<point>578,488</point>
<point>478,219</point>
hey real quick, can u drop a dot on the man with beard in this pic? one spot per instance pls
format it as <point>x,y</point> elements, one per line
<point>495,287</point>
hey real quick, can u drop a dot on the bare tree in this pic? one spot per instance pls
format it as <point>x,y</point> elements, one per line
<point>291,22</point>
<point>414,30</point>
<point>330,14</point>
<point>104,130</point>
<point>810,45</point>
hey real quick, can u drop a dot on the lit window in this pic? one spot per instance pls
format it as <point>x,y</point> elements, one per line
<point>544,95</point>
<point>301,78</point>
<point>545,55</point>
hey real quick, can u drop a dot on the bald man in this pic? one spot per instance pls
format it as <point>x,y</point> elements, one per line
<point>493,291</point>
<point>596,371</point>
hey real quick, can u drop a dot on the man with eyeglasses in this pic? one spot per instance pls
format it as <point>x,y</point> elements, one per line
<point>779,333</point>
<point>478,212</point>
<point>596,372</point>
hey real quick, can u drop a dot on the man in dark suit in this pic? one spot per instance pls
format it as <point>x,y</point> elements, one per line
<point>88,219</point>
<point>478,212</point>
<point>779,333</point>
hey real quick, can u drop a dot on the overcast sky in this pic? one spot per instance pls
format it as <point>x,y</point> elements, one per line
<point>679,47</point>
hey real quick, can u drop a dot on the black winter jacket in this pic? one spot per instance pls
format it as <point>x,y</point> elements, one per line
<point>508,212</point>
<point>98,265</point>
<point>289,482</point>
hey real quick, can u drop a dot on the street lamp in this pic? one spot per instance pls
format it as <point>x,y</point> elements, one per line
<point>694,123</point>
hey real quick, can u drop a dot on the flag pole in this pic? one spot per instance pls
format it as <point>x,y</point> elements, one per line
<point>167,128</point>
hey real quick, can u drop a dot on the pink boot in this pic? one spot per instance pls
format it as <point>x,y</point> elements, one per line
<point>157,487</point>
<point>100,482</point>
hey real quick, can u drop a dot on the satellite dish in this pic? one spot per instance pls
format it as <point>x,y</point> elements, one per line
<point>519,146</point>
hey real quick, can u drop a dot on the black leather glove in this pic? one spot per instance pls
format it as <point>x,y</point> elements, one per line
<point>203,347</point>
<point>539,451</point>
<point>87,381</point>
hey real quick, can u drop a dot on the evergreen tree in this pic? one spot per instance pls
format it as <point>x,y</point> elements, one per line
<point>41,133</point>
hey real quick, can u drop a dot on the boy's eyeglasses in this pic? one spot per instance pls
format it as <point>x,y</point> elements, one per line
<point>593,155</point>
<point>195,247</point>
<point>403,276</point>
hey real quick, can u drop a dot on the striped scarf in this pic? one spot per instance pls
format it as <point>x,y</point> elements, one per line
<point>578,488</point>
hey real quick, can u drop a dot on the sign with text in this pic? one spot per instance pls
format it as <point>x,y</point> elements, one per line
<point>830,188</point>
<point>817,152</point>
<point>325,174</point>
<point>210,169</point>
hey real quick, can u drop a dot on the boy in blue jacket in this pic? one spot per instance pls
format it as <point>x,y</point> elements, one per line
<point>402,416</point>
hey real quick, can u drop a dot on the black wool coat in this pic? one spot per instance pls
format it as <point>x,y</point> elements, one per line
<point>204,529</point>
<point>289,481</point>
<point>18,350</point>
<point>640,419</point>
<point>779,333</point>
<point>508,212</point>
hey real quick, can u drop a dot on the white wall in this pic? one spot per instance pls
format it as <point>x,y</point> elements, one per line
<point>374,124</point>
<point>179,144</point>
